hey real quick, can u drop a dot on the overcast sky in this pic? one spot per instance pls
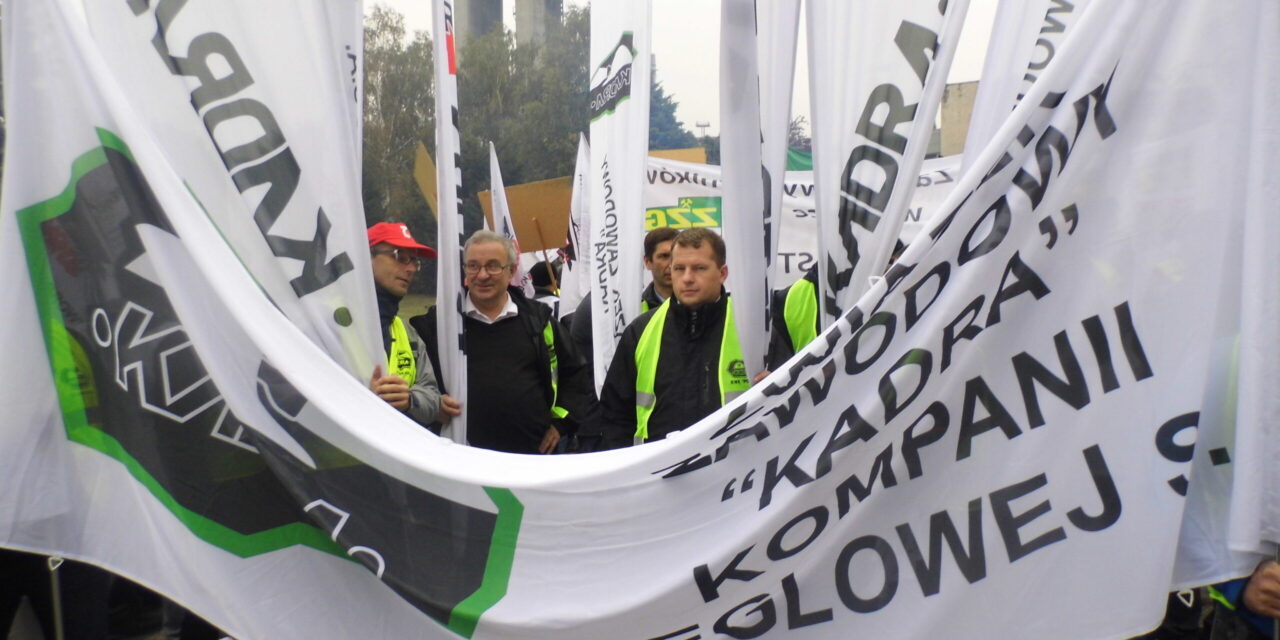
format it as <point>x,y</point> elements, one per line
<point>686,51</point>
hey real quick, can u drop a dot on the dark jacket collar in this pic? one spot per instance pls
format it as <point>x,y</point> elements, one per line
<point>695,322</point>
<point>388,307</point>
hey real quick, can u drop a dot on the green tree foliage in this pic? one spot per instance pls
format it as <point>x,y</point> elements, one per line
<point>712,146</point>
<point>798,134</point>
<point>399,110</point>
<point>665,130</point>
<point>530,100</point>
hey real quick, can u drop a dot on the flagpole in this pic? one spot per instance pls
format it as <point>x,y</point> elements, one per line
<point>555,284</point>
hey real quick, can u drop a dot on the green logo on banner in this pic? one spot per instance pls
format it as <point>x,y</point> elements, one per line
<point>690,213</point>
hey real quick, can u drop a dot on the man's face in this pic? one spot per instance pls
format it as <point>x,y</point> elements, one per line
<point>485,287</point>
<point>695,277</point>
<point>659,264</point>
<point>391,274</point>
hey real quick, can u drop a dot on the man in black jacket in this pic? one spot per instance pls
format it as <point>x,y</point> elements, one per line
<point>524,385</point>
<point>681,361</point>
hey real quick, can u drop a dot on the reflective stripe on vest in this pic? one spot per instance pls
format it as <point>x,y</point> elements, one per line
<point>400,359</point>
<point>549,337</point>
<point>731,368</point>
<point>800,313</point>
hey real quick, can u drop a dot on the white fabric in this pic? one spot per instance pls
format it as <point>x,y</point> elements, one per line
<point>876,75</point>
<point>1016,401</point>
<point>748,254</point>
<point>575,277</point>
<point>449,224</point>
<point>1255,505</point>
<point>620,70</point>
<point>1025,38</point>
<point>252,133</point>
<point>778,25</point>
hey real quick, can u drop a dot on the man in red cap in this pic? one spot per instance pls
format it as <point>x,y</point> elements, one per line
<point>408,383</point>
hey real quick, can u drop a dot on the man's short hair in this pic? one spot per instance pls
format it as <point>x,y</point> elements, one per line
<point>655,238</point>
<point>484,236</point>
<point>694,239</point>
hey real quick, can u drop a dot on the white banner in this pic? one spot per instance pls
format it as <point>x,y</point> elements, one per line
<point>1017,399</point>
<point>575,278</point>
<point>876,75</point>
<point>748,249</point>
<point>684,195</point>
<point>502,220</point>
<point>449,226</point>
<point>1025,38</point>
<point>619,108</point>
<point>253,132</point>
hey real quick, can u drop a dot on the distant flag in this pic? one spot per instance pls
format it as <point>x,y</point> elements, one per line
<point>502,219</point>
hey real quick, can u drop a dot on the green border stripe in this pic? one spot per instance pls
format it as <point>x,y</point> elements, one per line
<point>71,398</point>
<point>497,573</point>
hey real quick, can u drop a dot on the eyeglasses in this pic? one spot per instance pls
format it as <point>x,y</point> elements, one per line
<point>403,256</point>
<point>491,268</point>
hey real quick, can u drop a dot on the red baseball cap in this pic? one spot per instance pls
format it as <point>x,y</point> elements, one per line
<point>397,235</point>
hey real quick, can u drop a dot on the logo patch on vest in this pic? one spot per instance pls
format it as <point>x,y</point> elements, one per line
<point>737,369</point>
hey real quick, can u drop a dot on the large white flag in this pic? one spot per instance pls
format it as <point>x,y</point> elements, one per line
<point>748,221</point>
<point>876,75</point>
<point>253,133</point>
<point>1255,508</point>
<point>1025,38</point>
<point>619,107</point>
<point>575,279</point>
<point>1016,399</point>
<point>778,26</point>
<point>502,220</point>
<point>449,228</point>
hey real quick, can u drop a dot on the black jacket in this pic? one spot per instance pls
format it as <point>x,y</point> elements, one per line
<point>780,347</point>
<point>580,321</point>
<point>687,380</point>
<point>533,317</point>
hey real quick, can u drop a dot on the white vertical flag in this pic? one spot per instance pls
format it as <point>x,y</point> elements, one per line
<point>746,216</point>
<point>453,360</point>
<point>346,22</point>
<point>877,71</point>
<point>502,220</point>
<point>619,107</point>
<point>1025,38</point>
<point>267,143</point>
<point>778,29</point>
<point>575,279</point>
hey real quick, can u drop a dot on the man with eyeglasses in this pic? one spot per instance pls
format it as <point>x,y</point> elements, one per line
<point>524,380</point>
<point>407,383</point>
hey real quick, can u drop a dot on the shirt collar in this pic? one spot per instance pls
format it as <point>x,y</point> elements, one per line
<point>509,310</point>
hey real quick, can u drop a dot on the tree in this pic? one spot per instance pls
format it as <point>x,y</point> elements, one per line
<point>529,99</point>
<point>797,134</point>
<point>712,146</point>
<point>399,110</point>
<point>665,130</point>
